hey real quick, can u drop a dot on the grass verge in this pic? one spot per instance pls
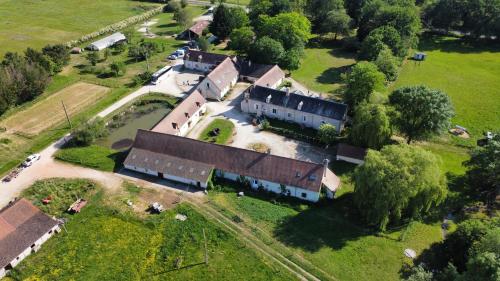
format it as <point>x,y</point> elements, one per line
<point>226,128</point>
<point>92,156</point>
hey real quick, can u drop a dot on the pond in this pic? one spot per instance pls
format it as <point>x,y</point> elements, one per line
<point>121,138</point>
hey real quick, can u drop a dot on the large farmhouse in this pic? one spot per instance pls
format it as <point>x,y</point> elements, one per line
<point>107,42</point>
<point>193,162</point>
<point>23,229</point>
<point>283,105</point>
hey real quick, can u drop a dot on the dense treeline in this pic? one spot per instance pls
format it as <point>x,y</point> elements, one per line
<point>472,17</point>
<point>23,78</point>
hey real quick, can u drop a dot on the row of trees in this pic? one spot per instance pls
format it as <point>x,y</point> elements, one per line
<point>23,78</point>
<point>472,17</point>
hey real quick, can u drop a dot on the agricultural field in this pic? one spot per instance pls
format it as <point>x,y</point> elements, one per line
<point>469,74</point>
<point>337,246</point>
<point>52,21</point>
<point>321,68</point>
<point>226,128</point>
<point>107,242</point>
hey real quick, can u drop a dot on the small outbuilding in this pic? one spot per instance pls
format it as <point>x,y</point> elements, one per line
<point>195,31</point>
<point>419,56</point>
<point>107,42</point>
<point>76,50</point>
<point>350,153</point>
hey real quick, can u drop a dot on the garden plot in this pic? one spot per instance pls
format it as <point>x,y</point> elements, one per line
<point>49,112</point>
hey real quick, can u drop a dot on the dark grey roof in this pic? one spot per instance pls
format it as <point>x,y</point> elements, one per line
<point>21,225</point>
<point>351,151</point>
<point>248,68</point>
<point>312,105</point>
<point>239,161</point>
<point>204,57</point>
<point>169,165</point>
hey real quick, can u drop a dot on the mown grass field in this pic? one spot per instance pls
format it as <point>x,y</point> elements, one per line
<point>27,23</point>
<point>106,243</point>
<point>166,25</point>
<point>337,245</point>
<point>226,131</point>
<point>468,73</point>
<point>321,68</point>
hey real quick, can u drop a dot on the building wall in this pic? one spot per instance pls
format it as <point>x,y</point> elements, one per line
<point>184,129</point>
<point>288,114</point>
<point>38,243</point>
<point>199,66</point>
<point>210,91</point>
<point>167,176</point>
<point>273,187</point>
<point>349,159</point>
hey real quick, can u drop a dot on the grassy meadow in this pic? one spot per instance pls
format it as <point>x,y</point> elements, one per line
<point>226,131</point>
<point>337,245</point>
<point>468,73</point>
<point>106,242</point>
<point>27,23</point>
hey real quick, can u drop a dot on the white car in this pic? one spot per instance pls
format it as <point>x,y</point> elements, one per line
<point>31,159</point>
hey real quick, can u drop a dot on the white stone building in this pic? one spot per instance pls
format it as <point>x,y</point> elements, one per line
<point>23,230</point>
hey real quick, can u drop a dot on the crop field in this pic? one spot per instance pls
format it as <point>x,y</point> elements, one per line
<point>104,242</point>
<point>326,237</point>
<point>49,111</point>
<point>29,23</point>
<point>469,74</point>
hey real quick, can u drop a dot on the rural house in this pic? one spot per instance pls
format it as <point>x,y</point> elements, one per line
<point>300,109</point>
<point>23,229</point>
<point>220,80</point>
<point>193,162</point>
<point>184,116</point>
<point>195,31</point>
<point>202,61</point>
<point>351,154</point>
<point>107,42</point>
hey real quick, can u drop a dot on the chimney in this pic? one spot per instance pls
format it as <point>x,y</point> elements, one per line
<point>287,91</point>
<point>247,95</point>
<point>200,57</point>
<point>249,63</point>
<point>299,107</point>
<point>325,166</point>
<point>268,99</point>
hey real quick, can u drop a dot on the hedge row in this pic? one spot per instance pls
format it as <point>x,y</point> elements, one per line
<point>115,27</point>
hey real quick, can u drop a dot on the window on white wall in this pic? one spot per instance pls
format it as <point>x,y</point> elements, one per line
<point>275,111</point>
<point>304,118</point>
<point>256,106</point>
<point>289,115</point>
<point>304,195</point>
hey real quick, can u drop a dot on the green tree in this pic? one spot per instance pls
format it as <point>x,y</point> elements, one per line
<point>421,112</point>
<point>59,55</point>
<point>93,58</point>
<point>183,19</point>
<point>317,10</point>
<point>291,59</point>
<point>203,44</point>
<point>292,30</point>
<point>418,273</point>
<point>484,167</point>
<point>371,126</point>
<point>398,182</point>
<point>337,22</point>
<point>172,6</point>
<point>380,38</point>
<point>387,64</point>
<point>88,132</point>
<point>241,39</point>
<point>227,19</point>
<point>327,133</point>
<point>34,56</point>
<point>107,54</point>
<point>266,50</point>
<point>268,7</point>
<point>363,79</point>
<point>118,68</point>
<point>483,267</point>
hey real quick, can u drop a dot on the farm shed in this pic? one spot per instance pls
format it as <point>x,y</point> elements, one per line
<point>107,41</point>
<point>351,154</point>
<point>23,229</point>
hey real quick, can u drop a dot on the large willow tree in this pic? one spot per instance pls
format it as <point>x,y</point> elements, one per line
<point>398,182</point>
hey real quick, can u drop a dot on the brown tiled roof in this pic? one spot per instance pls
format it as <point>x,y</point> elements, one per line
<point>223,74</point>
<point>271,77</point>
<point>350,151</point>
<point>244,162</point>
<point>169,165</point>
<point>199,26</point>
<point>21,224</point>
<point>189,106</point>
<point>204,57</point>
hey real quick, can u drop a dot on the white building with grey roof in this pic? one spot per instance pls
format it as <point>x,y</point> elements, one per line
<point>304,110</point>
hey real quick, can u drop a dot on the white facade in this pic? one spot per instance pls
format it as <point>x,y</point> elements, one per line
<point>184,129</point>
<point>349,159</point>
<point>291,115</point>
<point>167,176</point>
<point>32,249</point>
<point>210,90</point>
<point>293,191</point>
<point>198,66</point>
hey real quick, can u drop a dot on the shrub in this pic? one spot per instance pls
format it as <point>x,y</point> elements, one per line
<point>88,132</point>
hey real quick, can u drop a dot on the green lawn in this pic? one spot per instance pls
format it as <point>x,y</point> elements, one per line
<point>226,131</point>
<point>469,74</point>
<point>92,156</point>
<point>325,236</point>
<point>322,67</point>
<point>104,243</point>
<point>166,24</point>
<point>27,23</point>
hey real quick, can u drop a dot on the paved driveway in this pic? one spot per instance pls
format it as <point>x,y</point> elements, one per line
<point>247,134</point>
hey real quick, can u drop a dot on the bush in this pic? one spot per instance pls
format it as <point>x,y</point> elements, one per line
<point>171,7</point>
<point>88,132</point>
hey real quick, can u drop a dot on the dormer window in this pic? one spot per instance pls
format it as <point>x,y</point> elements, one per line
<point>299,107</point>
<point>312,177</point>
<point>297,174</point>
<point>198,104</point>
<point>186,114</point>
<point>268,99</point>
<point>174,125</point>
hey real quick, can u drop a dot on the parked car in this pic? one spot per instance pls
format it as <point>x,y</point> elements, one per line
<point>185,48</point>
<point>31,159</point>
<point>172,57</point>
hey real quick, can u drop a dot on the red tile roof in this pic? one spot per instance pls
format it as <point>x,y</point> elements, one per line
<point>271,77</point>
<point>189,106</point>
<point>199,26</point>
<point>21,225</point>
<point>223,74</point>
